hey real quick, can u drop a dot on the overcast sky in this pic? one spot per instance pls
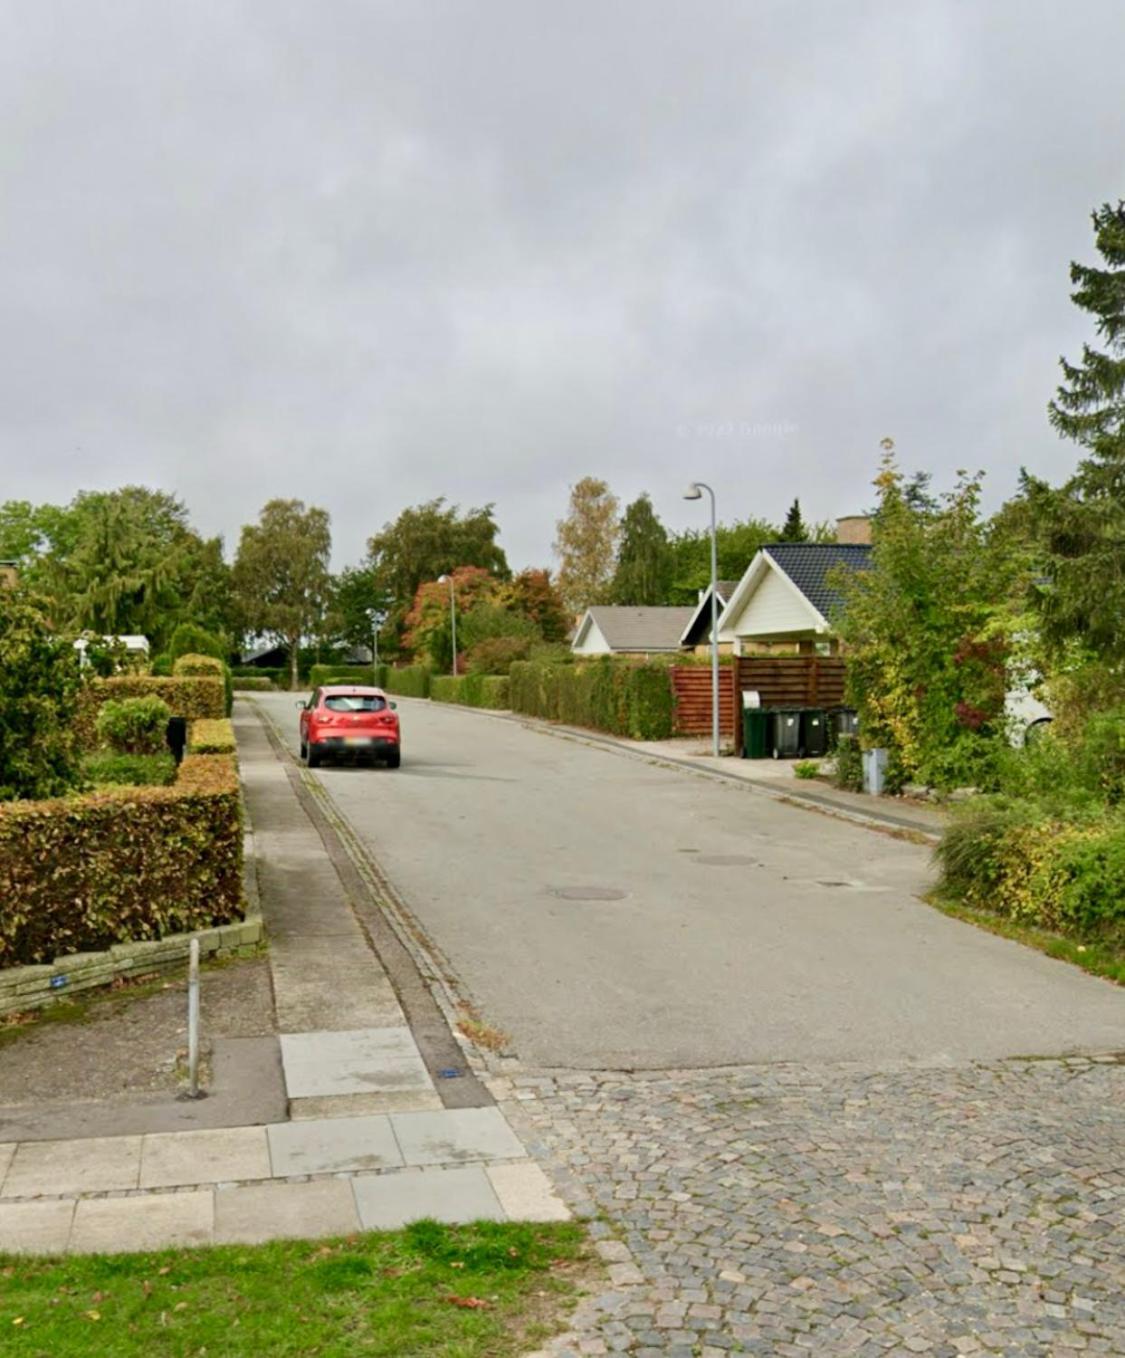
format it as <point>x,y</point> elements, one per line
<point>367,254</point>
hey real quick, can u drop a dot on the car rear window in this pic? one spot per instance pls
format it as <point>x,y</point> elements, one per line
<point>354,702</point>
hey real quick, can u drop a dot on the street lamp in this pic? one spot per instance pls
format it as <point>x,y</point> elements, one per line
<point>448,579</point>
<point>375,620</point>
<point>695,492</point>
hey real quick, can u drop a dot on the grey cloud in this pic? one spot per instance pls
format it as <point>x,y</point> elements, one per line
<point>372,253</point>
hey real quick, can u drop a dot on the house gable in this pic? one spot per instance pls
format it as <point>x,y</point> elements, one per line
<point>588,640</point>
<point>768,603</point>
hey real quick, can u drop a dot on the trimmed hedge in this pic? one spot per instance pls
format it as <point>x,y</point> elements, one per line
<point>189,696</point>
<point>121,864</point>
<point>251,685</point>
<point>411,682</point>
<point>192,665</point>
<point>211,735</point>
<point>279,675</point>
<point>471,690</point>
<point>348,674</point>
<point>625,699</point>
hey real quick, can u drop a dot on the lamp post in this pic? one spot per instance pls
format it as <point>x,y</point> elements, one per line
<point>374,644</point>
<point>695,492</point>
<point>443,579</point>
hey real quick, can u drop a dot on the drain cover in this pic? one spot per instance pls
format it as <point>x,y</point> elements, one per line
<point>726,860</point>
<point>587,893</point>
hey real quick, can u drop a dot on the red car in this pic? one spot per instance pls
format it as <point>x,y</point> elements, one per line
<point>349,719</point>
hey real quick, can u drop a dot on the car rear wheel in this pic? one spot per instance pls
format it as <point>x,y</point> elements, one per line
<point>312,756</point>
<point>394,759</point>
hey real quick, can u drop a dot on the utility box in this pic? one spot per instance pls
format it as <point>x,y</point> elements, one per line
<point>814,732</point>
<point>755,732</point>
<point>874,772</point>
<point>785,732</point>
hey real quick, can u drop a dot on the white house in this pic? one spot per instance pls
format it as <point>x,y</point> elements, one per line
<point>785,601</point>
<point>618,630</point>
<point>136,647</point>
<point>696,635</point>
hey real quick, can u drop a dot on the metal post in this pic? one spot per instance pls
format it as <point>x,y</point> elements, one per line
<point>193,1020</point>
<point>375,647</point>
<point>453,623</point>
<point>714,629</point>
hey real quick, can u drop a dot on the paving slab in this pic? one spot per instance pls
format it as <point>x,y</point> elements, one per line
<point>147,1221</point>
<point>356,1105</point>
<point>35,1227</point>
<point>526,1194</point>
<point>169,1159</point>
<point>333,1146</point>
<point>388,1201</point>
<point>55,1168</point>
<point>7,1150</point>
<point>362,997</point>
<point>456,1134</point>
<point>263,1212</point>
<point>363,1061</point>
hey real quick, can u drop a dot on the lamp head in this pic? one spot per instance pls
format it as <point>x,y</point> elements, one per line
<point>693,492</point>
<point>443,579</point>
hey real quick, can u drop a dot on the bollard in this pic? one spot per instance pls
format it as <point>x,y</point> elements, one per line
<point>193,1020</point>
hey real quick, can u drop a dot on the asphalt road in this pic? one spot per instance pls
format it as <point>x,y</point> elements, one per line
<point>605,912</point>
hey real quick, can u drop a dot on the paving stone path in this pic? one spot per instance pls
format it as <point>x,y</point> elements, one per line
<point>787,1210</point>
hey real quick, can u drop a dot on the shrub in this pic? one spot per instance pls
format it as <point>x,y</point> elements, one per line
<point>411,682</point>
<point>495,655</point>
<point>211,735</point>
<point>279,676</point>
<point>806,768</point>
<point>187,696</point>
<point>40,683</point>
<point>256,684</point>
<point>189,639</point>
<point>849,764</point>
<point>194,666</point>
<point>105,767</point>
<point>623,698</point>
<point>471,690</point>
<point>134,725</point>
<point>347,674</point>
<point>1019,859</point>
<point>121,864</point>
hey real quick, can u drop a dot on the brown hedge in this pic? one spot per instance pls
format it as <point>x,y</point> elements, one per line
<point>121,864</point>
<point>190,696</point>
<point>210,736</point>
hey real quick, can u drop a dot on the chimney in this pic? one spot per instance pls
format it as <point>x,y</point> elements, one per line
<point>854,530</point>
<point>9,574</point>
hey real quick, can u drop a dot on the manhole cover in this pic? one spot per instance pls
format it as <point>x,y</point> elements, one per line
<point>726,860</point>
<point>828,881</point>
<point>587,893</point>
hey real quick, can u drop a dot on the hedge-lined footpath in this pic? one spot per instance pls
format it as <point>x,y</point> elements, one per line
<point>411,682</point>
<point>471,690</point>
<point>121,864</point>
<point>211,735</point>
<point>615,696</point>
<point>187,696</point>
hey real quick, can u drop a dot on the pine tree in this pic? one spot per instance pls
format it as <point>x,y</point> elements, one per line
<point>644,559</point>
<point>1083,524</point>
<point>794,529</point>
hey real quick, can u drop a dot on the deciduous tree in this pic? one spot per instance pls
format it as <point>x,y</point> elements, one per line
<point>586,544</point>
<point>644,558</point>
<point>281,579</point>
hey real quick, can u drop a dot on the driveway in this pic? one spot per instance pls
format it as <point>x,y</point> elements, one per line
<point>608,913</point>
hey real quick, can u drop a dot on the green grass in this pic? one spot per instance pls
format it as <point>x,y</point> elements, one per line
<point>106,768</point>
<point>1106,959</point>
<point>492,1289</point>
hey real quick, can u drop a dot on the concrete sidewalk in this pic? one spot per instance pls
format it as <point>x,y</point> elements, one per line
<point>319,1177</point>
<point>370,1143</point>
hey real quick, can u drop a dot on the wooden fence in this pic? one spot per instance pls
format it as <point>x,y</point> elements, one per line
<point>691,685</point>
<point>780,680</point>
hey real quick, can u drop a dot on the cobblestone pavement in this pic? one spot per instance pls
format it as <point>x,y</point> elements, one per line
<point>783,1210</point>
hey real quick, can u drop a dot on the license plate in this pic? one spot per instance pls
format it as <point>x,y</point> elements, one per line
<point>357,740</point>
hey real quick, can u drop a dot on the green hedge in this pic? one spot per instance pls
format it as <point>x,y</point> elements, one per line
<point>1037,864</point>
<point>411,682</point>
<point>122,864</point>
<point>192,665</point>
<point>251,685</point>
<point>189,696</point>
<point>278,675</point>
<point>471,690</point>
<point>634,700</point>
<point>347,674</point>
<point>209,735</point>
